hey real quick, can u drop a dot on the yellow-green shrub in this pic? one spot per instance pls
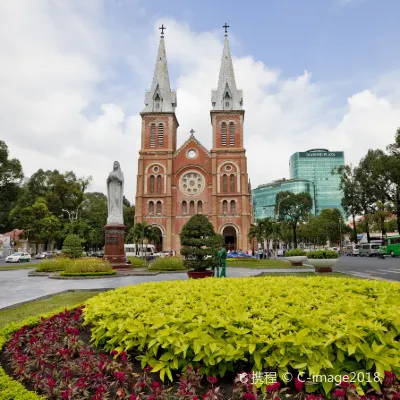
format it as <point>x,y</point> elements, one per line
<point>167,264</point>
<point>318,325</point>
<point>88,265</point>
<point>54,264</point>
<point>137,261</point>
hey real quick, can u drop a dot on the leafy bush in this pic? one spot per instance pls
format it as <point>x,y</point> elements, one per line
<point>105,273</point>
<point>322,254</point>
<point>88,265</point>
<point>167,264</point>
<point>199,240</point>
<point>72,247</point>
<point>137,262</point>
<point>295,252</point>
<point>241,259</point>
<point>53,265</point>
<point>320,326</point>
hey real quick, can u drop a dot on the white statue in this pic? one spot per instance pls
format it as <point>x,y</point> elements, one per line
<point>115,193</point>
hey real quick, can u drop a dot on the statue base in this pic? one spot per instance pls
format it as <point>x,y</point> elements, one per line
<point>114,251</point>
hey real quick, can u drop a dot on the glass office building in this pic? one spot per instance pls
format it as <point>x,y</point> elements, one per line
<point>318,166</point>
<point>264,196</point>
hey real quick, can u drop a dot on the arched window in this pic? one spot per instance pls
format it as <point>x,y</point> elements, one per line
<point>231,133</point>
<point>151,207</point>
<point>191,208</point>
<point>159,207</point>
<point>233,206</point>
<point>160,135</point>
<point>184,207</point>
<point>151,183</point>
<point>200,207</point>
<point>224,206</point>
<point>153,135</point>
<point>223,133</point>
<point>159,184</point>
<point>232,183</point>
<point>224,183</point>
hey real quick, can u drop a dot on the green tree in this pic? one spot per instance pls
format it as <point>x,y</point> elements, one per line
<point>129,215</point>
<point>10,176</point>
<point>351,194</point>
<point>262,232</point>
<point>199,241</point>
<point>143,232</point>
<point>37,221</point>
<point>392,168</point>
<point>294,208</point>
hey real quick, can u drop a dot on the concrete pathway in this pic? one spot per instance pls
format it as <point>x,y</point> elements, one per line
<point>16,286</point>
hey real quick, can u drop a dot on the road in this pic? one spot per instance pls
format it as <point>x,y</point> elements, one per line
<point>367,267</point>
<point>32,262</point>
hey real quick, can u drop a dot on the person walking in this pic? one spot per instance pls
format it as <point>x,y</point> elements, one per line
<point>221,262</point>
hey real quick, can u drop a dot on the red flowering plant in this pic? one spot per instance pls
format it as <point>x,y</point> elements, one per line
<point>244,388</point>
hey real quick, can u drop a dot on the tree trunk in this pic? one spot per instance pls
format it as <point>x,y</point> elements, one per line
<point>367,229</point>
<point>267,249</point>
<point>294,236</point>
<point>354,229</point>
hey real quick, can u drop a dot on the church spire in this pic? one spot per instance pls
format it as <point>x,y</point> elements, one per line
<point>160,98</point>
<point>226,97</point>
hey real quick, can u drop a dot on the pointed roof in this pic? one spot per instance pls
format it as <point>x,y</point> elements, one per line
<point>160,98</point>
<point>226,97</point>
<point>193,140</point>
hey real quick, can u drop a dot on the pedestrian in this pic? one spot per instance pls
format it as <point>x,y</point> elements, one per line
<point>221,262</point>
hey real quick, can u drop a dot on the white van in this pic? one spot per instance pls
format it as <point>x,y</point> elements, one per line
<point>352,250</point>
<point>369,249</point>
<point>136,250</point>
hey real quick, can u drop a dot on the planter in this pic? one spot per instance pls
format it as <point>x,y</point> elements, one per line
<point>296,261</point>
<point>323,265</point>
<point>200,274</point>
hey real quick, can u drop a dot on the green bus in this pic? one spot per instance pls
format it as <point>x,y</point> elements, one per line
<point>391,246</point>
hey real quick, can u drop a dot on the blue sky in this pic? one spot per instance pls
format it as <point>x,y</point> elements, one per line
<point>315,73</point>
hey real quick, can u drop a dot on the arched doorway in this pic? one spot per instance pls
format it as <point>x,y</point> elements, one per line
<point>158,243</point>
<point>230,238</point>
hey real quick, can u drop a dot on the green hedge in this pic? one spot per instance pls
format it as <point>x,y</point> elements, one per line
<point>167,264</point>
<point>322,254</point>
<point>317,325</point>
<point>53,265</point>
<point>105,273</point>
<point>295,252</point>
<point>137,262</point>
<point>236,259</point>
<point>80,265</point>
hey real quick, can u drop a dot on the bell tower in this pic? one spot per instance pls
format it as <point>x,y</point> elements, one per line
<point>158,144</point>
<point>232,209</point>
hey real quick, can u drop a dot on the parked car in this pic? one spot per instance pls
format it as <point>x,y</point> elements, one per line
<point>352,250</point>
<point>40,256</point>
<point>99,254</point>
<point>370,249</point>
<point>18,257</point>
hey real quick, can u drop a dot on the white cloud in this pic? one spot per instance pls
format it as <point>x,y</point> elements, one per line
<point>56,56</point>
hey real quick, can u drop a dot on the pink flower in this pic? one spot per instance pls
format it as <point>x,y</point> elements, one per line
<point>155,385</point>
<point>340,393</point>
<point>119,376</point>
<point>212,380</point>
<point>114,353</point>
<point>249,396</point>
<point>299,385</point>
<point>344,384</point>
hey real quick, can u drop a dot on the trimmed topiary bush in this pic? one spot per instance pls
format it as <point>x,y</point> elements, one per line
<point>167,264</point>
<point>322,254</point>
<point>72,247</point>
<point>200,243</point>
<point>295,253</point>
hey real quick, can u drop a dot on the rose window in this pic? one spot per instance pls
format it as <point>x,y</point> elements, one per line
<point>192,183</point>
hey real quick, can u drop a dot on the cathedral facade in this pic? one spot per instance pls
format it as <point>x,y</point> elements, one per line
<point>175,183</point>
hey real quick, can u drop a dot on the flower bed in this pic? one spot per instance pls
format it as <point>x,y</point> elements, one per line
<point>167,264</point>
<point>314,325</point>
<point>74,266</point>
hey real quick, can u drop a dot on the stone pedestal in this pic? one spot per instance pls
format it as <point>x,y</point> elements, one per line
<point>114,250</point>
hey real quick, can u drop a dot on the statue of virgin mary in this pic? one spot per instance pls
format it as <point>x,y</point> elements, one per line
<point>115,194</point>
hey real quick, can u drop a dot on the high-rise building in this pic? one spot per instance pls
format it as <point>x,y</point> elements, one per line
<point>319,166</point>
<point>174,183</point>
<point>264,196</point>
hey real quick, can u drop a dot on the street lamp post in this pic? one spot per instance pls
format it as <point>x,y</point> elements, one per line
<point>276,211</point>
<point>340,233</point>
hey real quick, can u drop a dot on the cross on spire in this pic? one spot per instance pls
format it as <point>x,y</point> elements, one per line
<point>226,26</point>
<point>162,27</point>
<point>192,132</point>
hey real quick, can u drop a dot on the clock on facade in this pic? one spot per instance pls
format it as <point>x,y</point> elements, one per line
<point>192,154</point>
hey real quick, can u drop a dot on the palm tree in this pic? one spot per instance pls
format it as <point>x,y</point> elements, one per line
<point>143,231</point>
<point>257,232</point>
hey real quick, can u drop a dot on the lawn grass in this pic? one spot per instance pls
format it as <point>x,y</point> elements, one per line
<point>43,306</point>
<point>244,263</point>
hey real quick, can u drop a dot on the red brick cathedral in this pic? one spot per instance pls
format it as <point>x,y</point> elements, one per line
<point>175,183</point>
